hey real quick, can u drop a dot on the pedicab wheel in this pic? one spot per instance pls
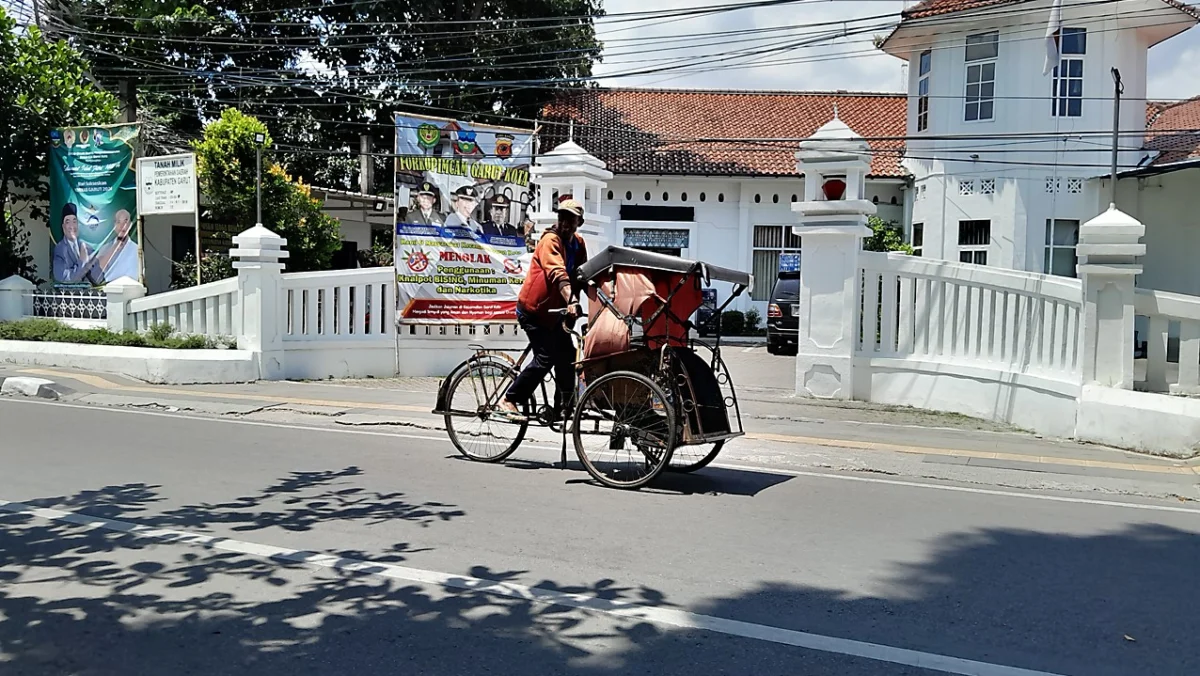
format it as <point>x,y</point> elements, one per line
<point>691,458</point>
<point>624,430</point>
<point>482,435</point>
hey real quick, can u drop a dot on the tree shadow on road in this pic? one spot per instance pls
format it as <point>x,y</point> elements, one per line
<point>81,600</point>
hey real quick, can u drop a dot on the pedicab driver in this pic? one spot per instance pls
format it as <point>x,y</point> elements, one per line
<point>548,286</point>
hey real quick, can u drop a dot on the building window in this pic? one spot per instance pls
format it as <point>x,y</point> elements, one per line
<point>1067,93</point>
<point>926,64</point>
<point>769,242</point>
<point>973,240</point>
<point>1052,184</point>
<point>966,187</point>
<point>610,194</point>
<point>1062,236</point>
<point>917,238</point>
<point>982,50</point>
<point>987,186</point>
<point>1074,186</point>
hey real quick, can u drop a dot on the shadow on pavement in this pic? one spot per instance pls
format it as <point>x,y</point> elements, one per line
<point>78,600</point>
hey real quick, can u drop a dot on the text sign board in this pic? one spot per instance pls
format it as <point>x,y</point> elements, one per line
<point>789,262</point>
<point>167,184</point>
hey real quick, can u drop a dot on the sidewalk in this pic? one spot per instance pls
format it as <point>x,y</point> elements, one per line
<point>778,428</point>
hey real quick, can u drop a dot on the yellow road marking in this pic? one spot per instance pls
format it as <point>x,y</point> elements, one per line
<point>104,383</point>
<point>1177,467</point>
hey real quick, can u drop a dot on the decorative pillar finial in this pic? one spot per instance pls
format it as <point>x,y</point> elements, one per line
<point>835,111</point>
<point>571,130</point>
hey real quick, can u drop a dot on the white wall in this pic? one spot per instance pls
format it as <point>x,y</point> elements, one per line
<point>723,230</point>
<point>1166,205</point>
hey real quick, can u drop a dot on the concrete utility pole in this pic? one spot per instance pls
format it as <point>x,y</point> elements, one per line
<point>127,95</point>
<point>366,165</point>
<point>1118,89</point>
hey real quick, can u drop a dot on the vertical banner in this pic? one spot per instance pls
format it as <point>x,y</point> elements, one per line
<point>460,242</point>
<point>93,205</point>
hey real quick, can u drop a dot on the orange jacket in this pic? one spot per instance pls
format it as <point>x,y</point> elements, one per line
<point>548,275</point>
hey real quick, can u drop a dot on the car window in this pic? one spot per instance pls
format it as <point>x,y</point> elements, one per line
<point>786,290</point>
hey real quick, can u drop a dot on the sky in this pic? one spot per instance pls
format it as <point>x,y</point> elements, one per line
<point>847,63</point>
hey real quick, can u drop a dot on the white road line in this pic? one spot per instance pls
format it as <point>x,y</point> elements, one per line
<point>622,609</point>
<point>748,468</point>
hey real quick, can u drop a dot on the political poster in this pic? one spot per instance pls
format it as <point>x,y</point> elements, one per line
<point>93,205</point>
<point>461,249</point>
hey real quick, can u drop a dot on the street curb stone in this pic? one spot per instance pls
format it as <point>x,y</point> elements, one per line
<point>33,387</point>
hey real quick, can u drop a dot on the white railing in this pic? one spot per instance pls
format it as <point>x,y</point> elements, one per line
<point>339,304</point>
<point>208,310</point>
<point>1174,322</point>
<point>943,311</point>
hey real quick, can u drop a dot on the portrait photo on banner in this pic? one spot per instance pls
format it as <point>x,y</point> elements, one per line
<point>93,205</point>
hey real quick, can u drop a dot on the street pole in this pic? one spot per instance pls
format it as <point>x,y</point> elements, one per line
<point>1118,88</point>
<point>258,184</point>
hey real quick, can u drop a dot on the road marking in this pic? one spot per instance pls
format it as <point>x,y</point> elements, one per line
<point>1177,468</point>
<point>103,383</point>
<point>749,349</point>
<point>1191,467</point>
<point>621,609</point>
<point>542,447</point>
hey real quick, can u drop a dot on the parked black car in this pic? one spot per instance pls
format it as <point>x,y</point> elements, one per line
<point>783,322</point>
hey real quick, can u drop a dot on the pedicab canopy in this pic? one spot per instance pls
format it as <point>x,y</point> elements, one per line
<point>660,291</point>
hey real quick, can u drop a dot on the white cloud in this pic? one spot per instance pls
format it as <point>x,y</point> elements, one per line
<point>849,63</point>
<point>846,63</point>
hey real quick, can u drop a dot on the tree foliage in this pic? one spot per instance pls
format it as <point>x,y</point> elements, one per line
<point>226,164</point>
<point>322,74</point>
<point>43,85</point>
<point>885,236</point>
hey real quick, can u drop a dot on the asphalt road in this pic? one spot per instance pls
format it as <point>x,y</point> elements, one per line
<point>143,543</point>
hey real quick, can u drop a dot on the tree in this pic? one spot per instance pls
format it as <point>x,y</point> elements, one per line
<point>43,85</point>
<point>885,236</point>
<point>226,162</point>
<point>322,74</point>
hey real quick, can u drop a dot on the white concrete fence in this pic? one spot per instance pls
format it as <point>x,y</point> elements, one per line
<point>1050,354</point>
<point>300,325</point>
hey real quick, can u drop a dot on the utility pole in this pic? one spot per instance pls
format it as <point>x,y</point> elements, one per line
<point>366,165</point>
<point>127,95</point>
<point>259,140</point>
<point>1118,89</point>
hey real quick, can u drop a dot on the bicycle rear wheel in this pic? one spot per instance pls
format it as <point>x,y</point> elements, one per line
<point>691,458</point>
<point>474,429</point>
<point>624,430</point>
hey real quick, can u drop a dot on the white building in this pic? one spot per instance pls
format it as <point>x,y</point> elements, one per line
<point>1005,157</point>
<point>688,183</point>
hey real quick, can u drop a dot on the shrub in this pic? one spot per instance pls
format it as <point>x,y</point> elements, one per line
<point>733,323</point>
<point>753,319</point>
<point>53,331</point>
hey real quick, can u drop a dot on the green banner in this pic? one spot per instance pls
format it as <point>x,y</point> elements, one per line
<point>93,205</point>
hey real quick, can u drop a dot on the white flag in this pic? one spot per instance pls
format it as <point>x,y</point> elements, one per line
<point>1053,33</point>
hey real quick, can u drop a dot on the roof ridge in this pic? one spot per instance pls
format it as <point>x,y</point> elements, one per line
<point>747,92</point>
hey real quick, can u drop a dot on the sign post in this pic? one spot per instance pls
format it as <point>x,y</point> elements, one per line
<point>168,185</point>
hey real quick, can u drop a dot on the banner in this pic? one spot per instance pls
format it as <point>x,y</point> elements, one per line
<point>461,249</point>
<point>93,205</point>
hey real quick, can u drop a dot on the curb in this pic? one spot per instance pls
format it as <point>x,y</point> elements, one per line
<point>32,387</point>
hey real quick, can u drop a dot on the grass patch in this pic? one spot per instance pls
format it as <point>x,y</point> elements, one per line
<point>159,335</point>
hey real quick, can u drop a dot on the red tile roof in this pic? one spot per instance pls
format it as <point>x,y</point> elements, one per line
<point>699,133</point>
<point>1173,129</point>
<point>729,133</point>
<point>928,8</point>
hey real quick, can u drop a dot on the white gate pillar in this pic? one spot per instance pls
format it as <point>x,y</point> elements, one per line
<point>1108,250</point>
<point>833,222</point>
<point>258,257</point>
<point>16,299</point>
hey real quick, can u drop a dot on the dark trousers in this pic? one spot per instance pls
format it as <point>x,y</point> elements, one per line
<point>552,349</point>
